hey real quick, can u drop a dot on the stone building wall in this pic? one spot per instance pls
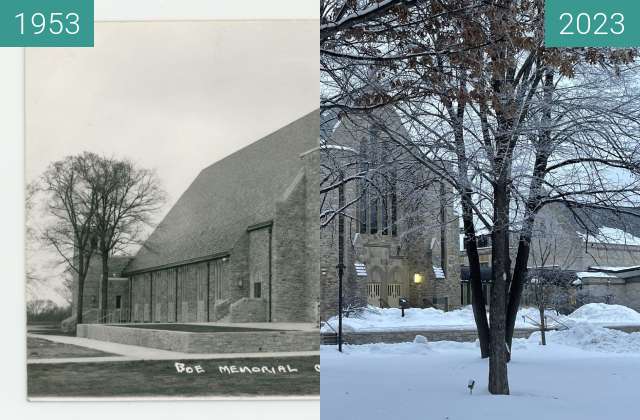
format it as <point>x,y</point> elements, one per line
<point>391,254</point>
<point>558,229</point>
<point>118,287</point>
<point>260,266</point>
<point>91,296</point>
<point>291,292</point>
<point>248,310</point>
<point>612,291</point>
<point>354,288</point>
<point>311,161</point>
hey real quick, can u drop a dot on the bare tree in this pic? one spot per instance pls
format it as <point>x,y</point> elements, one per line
<point>127,198</point>
<point>72,205</point>
<point>510,125</point>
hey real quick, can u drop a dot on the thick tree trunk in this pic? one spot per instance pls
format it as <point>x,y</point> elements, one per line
<point>498,378</point>
<point>533,202</point>
<point>80,300</point>
<point>104,288</point>
<point>517,285</point>
<point>475,279</point>
<point>478,303</point>
<point>477,298</point>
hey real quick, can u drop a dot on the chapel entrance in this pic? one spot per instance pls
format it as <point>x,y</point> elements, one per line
<point>393,295</point>
<point>373,294</point>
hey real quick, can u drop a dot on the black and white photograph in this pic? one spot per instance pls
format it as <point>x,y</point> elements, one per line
<point>172,195</point>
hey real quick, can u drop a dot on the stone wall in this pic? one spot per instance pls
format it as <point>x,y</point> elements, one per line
<point>248,310</point>
<point>459,335</point>
<point>614,291</point>
<point>354,287</point>
<point>312,234</point>
<point>118,287</point>
<point>178,294</point>
<point>557,227</point>
<point>91,297</point>
<point>431,335</point>
<point>291,298</point>
<point>218,342</point>
<point>260,266</point>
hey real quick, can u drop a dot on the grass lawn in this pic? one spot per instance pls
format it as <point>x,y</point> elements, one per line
<point>38,348</point>
<point>48,329</point>
<point>191,328</point>
<point>160,378</point>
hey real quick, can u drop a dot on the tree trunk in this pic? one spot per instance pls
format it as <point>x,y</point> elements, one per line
<point>533,202</point>
<point>543,325</point>
<point>104,287</point>
<point>498,378</point>
<point>475,279</point>
<point>478,303</point>
<point>517,284</point>
<point>80,300</point>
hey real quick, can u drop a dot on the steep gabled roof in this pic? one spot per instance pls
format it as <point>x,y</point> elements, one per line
<point>229,196</point>
<point>598,221</point>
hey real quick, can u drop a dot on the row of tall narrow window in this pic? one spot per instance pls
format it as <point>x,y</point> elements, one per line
<point>378,208</point>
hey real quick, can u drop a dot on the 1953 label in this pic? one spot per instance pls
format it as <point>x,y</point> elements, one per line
<point>46,23</point>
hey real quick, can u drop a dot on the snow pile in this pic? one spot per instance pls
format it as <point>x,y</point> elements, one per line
<point>385,319</point>
<point>382,349</point>
<point>415,319</point>
<point>390,319</point>
<point>419,346</point>
<point>602,313</point>
<point>592,338</point>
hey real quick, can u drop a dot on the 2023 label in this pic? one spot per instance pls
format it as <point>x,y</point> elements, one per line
<point>592,23</point>
<point>598,24</point>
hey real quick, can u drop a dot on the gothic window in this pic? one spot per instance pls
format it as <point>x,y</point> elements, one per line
<point>373,225</point>
<point>378,207</point>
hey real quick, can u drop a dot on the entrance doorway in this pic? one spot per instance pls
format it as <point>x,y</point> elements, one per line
<point>393,295</point>
<point>373,294</point>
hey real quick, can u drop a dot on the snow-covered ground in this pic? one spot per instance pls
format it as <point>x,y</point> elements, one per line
<point>586,372</point>
<point>390,319</point>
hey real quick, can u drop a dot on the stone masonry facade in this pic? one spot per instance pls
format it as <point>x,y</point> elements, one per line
<point>240,245</point>
<point>407,241</point>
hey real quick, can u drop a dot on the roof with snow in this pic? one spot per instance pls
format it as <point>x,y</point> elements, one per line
<point>619,226</point>
<point>614,269</point>
<point>227,197</point>
<point>594,274</point>
<point>329,120</point>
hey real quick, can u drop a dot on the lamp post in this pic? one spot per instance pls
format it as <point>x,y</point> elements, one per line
<point>340,265</point>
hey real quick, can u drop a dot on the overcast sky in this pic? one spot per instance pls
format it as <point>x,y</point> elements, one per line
<point>173,96</point>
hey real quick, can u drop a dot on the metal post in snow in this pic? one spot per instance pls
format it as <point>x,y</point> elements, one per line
<point>340,267</point>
